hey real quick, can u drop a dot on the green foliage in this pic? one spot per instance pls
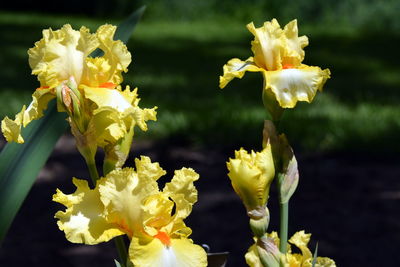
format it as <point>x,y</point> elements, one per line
<point>358,14</point>
<point>176,65</point>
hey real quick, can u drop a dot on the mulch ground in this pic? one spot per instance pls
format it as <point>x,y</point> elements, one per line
<point>349,202</point>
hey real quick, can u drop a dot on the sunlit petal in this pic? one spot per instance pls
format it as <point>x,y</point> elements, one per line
<point>292,85</point>
<point>153,253</point>
<point>84,219</point>
<point>235,68</point>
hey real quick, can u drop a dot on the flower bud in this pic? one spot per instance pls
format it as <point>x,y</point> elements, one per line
<point>251,176</point>
<point>289,177</point>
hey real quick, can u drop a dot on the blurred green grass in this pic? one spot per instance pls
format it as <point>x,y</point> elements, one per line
<point>176,64</point>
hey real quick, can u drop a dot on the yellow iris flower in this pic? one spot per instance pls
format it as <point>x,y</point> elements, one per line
<point>128,201</point>
<point>303,259</point>
<point>278,54</point>
<point>86,87</point>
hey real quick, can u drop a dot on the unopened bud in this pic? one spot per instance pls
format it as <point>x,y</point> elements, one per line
<point>270,137</point>
<point>289,176</point>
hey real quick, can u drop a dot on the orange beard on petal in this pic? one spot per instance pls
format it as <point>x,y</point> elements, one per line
<point>108,85</point>
<point>163,237</point>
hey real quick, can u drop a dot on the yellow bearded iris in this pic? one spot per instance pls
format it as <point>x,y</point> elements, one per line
<point>128,201</point>
<point>278,54</point>
<point>303,259</point>
<point>86,87</point>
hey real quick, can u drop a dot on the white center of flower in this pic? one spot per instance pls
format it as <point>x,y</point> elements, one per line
<point>169,258</point>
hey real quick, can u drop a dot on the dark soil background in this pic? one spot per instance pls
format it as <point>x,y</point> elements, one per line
<point>349,202</point>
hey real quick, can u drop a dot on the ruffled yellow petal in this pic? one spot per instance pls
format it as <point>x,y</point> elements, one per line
<point>182,191</point>
<point>116,112</point>
<point>115,52</point>
<point>12,128</point>
<point>61,54</point>
<point>153,253</point>
<point>66,52</point>
<point>235,68</point>
<point>157,213</point>
<point>293,53</point>
<point>267,45</point>
<point>251,176</point>
<point>292,85</point>
<point>147,169</point>
<point>300,240</point>
<point>122,192</point>
<point>84,219</point>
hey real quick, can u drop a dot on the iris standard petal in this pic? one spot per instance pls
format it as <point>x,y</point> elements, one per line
<point>267,45</point>
<point>122,193</point>
<point>293,53</point>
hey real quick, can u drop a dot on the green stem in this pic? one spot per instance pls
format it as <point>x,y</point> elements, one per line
<point>283,226</point>
<point>94,175</point>
<point>119,240</point>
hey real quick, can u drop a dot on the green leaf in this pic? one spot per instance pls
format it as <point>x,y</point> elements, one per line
<point>20,164</point>
<point>314,261</point>
<point>117,264</point>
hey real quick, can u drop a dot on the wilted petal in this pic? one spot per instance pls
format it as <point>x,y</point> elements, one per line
<point>292,85</point>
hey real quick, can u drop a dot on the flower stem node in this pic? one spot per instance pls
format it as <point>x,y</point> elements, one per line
<point>259,221</point>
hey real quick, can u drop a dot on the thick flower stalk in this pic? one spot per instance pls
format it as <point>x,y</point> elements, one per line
<point>251,175</point>
<point>278,55</point>
<point>128,201</point>
<point>270,253</point>
<point>87,88</point>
